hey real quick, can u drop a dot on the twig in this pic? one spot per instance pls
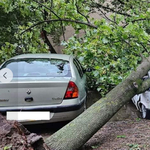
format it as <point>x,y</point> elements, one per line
<point>136,20</point>
<point>54,14</point>
<point>47,8</point>
<point>121,2</point>
<point>81,13</point>
<point>63,31</point>
<point>145,48</point>
<point>106,16</point>
<point>112,10</point>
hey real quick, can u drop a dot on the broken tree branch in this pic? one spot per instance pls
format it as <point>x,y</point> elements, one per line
<point>81,129</point>
<point>57,20</point>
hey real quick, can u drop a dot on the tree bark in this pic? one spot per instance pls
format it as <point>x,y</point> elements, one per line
<point>77,132</point>
<point>46,40</point>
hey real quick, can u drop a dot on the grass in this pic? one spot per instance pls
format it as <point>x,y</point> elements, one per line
<point>121,136</point>
<point>133,146</point>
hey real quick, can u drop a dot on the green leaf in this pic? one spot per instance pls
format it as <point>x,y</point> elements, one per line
<point>105,40</point>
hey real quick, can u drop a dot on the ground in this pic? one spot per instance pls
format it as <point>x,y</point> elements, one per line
<point>125,131</point>
<point>121,135</point>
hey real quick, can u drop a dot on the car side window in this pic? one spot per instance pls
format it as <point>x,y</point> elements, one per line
<point>79,67</point>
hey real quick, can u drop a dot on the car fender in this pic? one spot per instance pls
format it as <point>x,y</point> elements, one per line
<point>136,100</point>
<point>145,99</point>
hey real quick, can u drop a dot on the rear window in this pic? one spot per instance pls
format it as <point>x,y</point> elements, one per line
<point>39,67</point>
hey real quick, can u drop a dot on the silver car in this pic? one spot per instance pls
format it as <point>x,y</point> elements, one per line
<point>54,84</point>
<point>142,101</point>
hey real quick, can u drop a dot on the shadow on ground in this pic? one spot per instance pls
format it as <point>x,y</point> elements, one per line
<point>46,129</point>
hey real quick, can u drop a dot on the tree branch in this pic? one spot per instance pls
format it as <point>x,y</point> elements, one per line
<point>44,33</point>
<point>144,48</point>
<point>140,19</point>
<point>81,13</point>
<point>97,5</point>
<point>47,8</point>
<point>136,20</point>
<point>46,40</point>
<point>106,16</point>
<point>121,2</point>
<point>62,27</point>
<point>57,20</point>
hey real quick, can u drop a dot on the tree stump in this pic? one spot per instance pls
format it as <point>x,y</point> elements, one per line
<point>14,136</point>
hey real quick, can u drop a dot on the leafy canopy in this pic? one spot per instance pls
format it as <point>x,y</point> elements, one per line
<point>112,45</point>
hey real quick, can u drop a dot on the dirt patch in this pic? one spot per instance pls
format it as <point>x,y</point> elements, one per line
<point>125,131</point>
<point>121,135</point>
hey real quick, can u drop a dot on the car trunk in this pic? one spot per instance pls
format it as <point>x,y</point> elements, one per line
<point>33,91</point>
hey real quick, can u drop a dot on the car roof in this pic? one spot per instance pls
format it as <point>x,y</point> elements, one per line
<point>43,55</point>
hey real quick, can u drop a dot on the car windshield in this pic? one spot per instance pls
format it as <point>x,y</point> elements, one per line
<point>38,67</point>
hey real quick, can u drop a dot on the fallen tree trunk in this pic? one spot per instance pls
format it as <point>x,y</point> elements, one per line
<point>81,129</point>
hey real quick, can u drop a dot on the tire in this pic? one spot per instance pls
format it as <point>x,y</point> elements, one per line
<point>145,112</point>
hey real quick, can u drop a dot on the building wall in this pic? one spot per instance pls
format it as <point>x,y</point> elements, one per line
<point>70,32</point>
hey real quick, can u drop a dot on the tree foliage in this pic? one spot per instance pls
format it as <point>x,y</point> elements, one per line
<point>120,41</point>
<point>112,45</point>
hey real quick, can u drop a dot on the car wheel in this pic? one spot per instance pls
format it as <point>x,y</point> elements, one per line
<point>145,112</point>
